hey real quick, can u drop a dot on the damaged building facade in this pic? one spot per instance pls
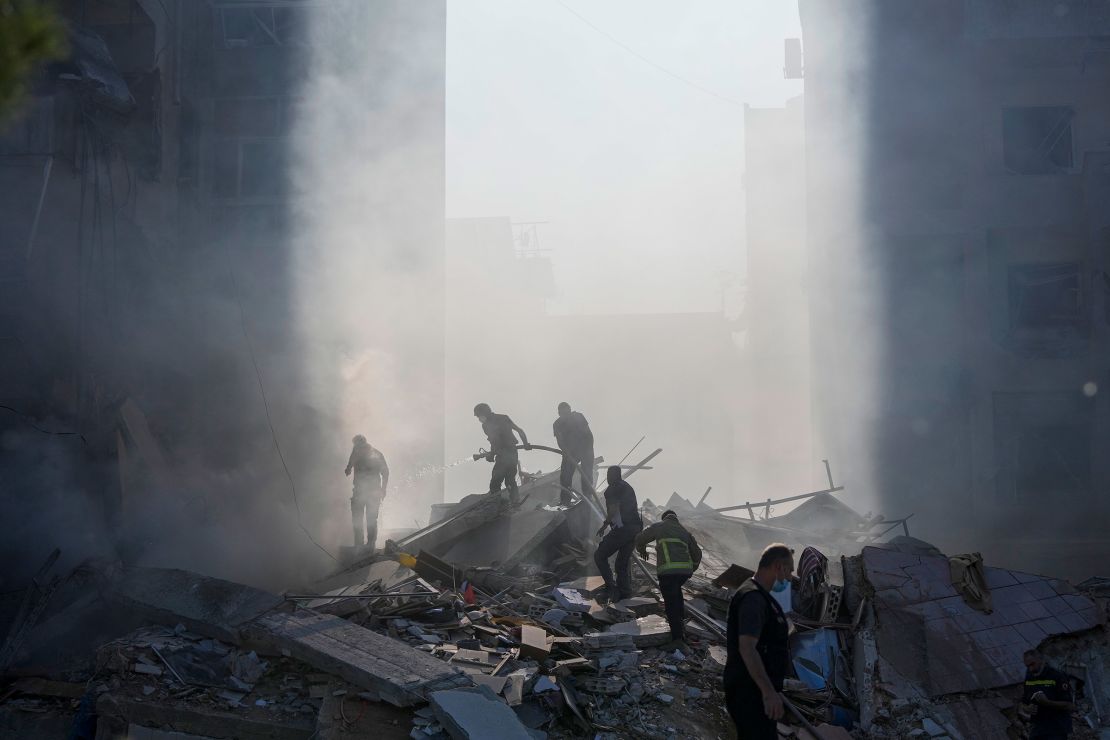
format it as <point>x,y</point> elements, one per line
<point>777,438</point>
<point>151,205</point>
<point>977,243</point>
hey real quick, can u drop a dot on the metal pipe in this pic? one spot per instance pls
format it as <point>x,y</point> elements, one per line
<point>359,596</point>
<point>776,502</point>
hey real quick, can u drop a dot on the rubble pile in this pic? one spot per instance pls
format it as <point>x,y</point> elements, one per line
<point>485,624</point>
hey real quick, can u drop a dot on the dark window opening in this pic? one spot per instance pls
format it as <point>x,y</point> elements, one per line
<point>1044,446</point>
<point>1038,141</point>
<point>247,116</point>
<point>1045,296</point>
<point>263,26</point>
<point>250,168</point>
<point>1053,461</point>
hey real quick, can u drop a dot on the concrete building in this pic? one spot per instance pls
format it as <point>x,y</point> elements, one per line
<point>979,131</point>
<point>669,377</point>
<point>777,430</point>
<point>151,253</point>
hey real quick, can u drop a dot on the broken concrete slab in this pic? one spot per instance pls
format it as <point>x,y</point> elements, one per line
<point>208,606</point>
<point>572,599</point>
<point>399,674</point>
<point>533,643</point>
<point>116,714</point>
<point>649,631</point>
<point>477,714</point>
<point>385,572</point>
<point>929,633</point>
<point>505,540</point>
<point>472,512</point>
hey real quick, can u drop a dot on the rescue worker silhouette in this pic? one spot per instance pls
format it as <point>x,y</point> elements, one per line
<point>370,483</point>
<point>576,440</point>
<point>677,556</point>
<point>499,430</point>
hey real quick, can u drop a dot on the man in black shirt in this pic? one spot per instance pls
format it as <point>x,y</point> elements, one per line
<point>758,650</point>
<point>623,515</point>
<point>371,481</point>
<point>1050,692</point>
<point>499,430</point>
<point>576,440</point>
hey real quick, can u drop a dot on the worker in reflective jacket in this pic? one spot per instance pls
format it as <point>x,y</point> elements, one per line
<point>677,556</point>
<point>1051,694</point>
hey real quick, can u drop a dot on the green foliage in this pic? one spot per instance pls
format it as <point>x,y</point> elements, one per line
<point>31,33</point>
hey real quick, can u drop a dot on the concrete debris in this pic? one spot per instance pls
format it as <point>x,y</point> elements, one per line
<point>393,671</point>
<point>485,625</point>
<point>476,715</point>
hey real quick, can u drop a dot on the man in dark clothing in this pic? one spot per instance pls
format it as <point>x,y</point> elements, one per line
<point>371,480</point>
<point>677,556</point>
<point>623,515</point>
<point>758,650</point>
<point>576,440</point>
<point>1050,692</point>
<point>499,430</point>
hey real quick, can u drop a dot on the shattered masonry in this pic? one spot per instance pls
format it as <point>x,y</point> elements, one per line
<point>483,625</point>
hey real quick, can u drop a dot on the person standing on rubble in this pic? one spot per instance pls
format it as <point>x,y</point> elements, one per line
<point>499,429</point>
<point>758,650</point>
<point>677,556</point>
<point>623,515</point>
<point>370,483</point>
<point>576,440</point>
<point>1050,692</point>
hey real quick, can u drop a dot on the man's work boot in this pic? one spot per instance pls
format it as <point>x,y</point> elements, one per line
<point>371,538</point>
<point>360,538</point>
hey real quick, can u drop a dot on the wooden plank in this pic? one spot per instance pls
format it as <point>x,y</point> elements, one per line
<point>399,674</point>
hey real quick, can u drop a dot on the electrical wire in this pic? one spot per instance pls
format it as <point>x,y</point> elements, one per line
<point>266,404</point>
<point>27,420</point>
<point>645,60</point>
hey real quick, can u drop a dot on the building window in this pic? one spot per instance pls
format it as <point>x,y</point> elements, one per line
<point>1046,296</point>
<point>1051,461</point>
<point>1043,446</point>
<point>263,26</point>
<point>247,116</point>
<point>1038,140</point>
<point>250,168</point>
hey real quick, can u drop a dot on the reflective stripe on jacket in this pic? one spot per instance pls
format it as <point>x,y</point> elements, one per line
<point>676,550</point>
<point>673,556</point>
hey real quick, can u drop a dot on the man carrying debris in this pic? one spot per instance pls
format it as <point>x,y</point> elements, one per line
<point>758,651</point>
<point>1050,692</point>
<point>576,440</point>
<point>623,515</point>
<point>677,556</point>
<point>371,480</point>
<point>499,430</point>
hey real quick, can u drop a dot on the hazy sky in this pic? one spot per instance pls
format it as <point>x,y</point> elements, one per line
<point>639,174</point>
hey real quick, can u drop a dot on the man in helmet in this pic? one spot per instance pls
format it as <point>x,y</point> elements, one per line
<point>499,430</point>
<point>677,556</point>
<point>576,440</point>
<point>371,480</point>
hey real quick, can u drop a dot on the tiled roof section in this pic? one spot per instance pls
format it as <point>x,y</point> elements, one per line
<point>931,635</point>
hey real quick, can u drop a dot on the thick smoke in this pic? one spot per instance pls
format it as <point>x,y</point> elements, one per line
<point>367,269</point>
